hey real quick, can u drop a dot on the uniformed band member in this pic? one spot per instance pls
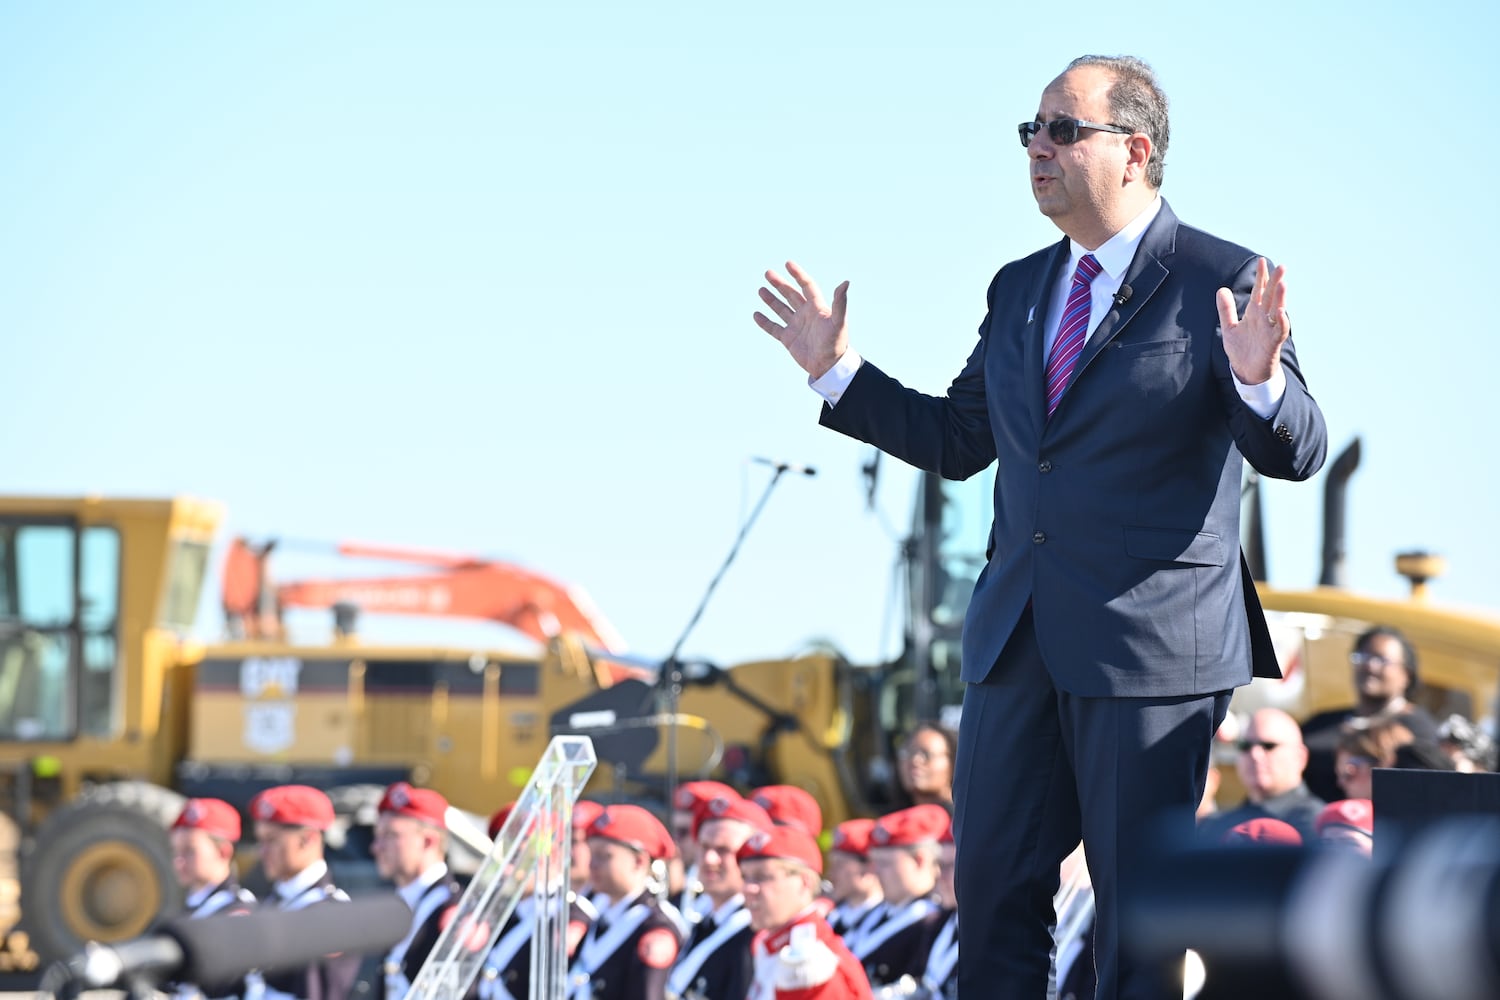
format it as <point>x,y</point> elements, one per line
<point>506,974</point>
<point>628,951</point>
<point>203,838</point>
<point>892,942</point>
<point>790,806</point>
<point>410,849</point>
<point>715,962</point>
<point>690,797</point>
<point>290,821</point>
<point>797,955</point>
<point>856,890</point>
<point>940,977</point>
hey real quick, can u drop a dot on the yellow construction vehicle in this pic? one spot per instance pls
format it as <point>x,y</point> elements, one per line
<point>110,713</point>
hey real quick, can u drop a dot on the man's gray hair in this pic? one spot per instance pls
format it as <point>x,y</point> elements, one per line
<point>1138,103</point>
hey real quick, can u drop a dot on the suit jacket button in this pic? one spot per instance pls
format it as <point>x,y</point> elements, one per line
<point>1044,466</point>
<point>1039,537</point>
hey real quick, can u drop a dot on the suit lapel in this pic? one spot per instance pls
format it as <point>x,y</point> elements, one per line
<point>1144,276</point>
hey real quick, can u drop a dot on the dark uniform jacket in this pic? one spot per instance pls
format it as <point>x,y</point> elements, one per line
<point>434,908</point>
<point>894,942</point>
<point>716,963</point>
<point>844,919</point>
<point>627,953</point>
<point>940,976</point>
<point>1299,807</point>
<point>507,972</point>
<point>329,978</point>
<point>228,897</point>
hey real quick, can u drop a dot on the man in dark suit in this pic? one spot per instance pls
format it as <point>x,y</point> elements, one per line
<point>1120,378</point>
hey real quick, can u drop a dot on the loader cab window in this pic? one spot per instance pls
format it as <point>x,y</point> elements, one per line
<point>185,573</point>
<point>59,610</point>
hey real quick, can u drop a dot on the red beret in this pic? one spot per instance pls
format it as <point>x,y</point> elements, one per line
<point>1262,830</point>
<point>401,799</point>
<point>293,805</point>
<point>727,807</point>
<point>692,794</point>
<point>790,806</point>
<point>853,837</point>
<point>787,842</point>
<point>924,824</point>
<point>212,816</point>
<point>1356,814</point>
<point>636,828</point>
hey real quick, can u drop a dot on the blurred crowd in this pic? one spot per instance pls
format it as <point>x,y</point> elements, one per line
<point>734,896</point>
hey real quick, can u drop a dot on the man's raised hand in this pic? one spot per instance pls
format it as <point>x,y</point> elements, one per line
<point>814,334</point>
<point>1253,342</point>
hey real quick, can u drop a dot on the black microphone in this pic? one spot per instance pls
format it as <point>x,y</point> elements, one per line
<point>806,470</point>
<point>1122,296</point>
<point>223,948</point>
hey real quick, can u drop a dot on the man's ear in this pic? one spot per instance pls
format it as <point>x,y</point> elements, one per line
<point>1139,155</point>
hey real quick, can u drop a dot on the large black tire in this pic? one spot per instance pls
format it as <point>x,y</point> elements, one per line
<point>100,869</point>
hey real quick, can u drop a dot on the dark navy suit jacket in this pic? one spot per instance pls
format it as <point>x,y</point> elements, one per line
<point>1118,518</point>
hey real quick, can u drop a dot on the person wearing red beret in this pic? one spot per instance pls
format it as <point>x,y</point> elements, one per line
<point>290,821</point>
<point>506,974</point>
<point>690,797</point>
<point>628,952</point>
<point>797,955</point>
<point>411,850</point>
<point>904,855</point>
<point>715,962</point>
<point>856,890</point>
<point>202,838</point>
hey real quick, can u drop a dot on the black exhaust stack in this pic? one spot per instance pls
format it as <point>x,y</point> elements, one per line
<point>1334,489</point>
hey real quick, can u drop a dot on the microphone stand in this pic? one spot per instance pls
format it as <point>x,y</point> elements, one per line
<point>669,681</point>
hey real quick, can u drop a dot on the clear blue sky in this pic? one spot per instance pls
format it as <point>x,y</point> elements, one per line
<point>478,277</point>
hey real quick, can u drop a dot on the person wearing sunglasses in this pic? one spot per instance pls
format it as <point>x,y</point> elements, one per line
<point>1270,762</point>
<point>1120,379</point>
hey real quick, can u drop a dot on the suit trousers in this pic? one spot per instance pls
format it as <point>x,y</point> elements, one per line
<point>1037,770</point>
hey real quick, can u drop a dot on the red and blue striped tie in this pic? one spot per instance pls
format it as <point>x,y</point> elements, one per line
<point>1072,333</point>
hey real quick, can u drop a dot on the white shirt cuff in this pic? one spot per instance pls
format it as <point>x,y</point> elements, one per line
<point>832,383</point>
<point>1263,399</point>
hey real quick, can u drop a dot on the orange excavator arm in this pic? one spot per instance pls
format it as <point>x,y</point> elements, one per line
<point>466,587</point>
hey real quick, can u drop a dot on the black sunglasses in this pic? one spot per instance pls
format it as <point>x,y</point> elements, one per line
<point>1063,131</point>
<point>1245,746</point>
